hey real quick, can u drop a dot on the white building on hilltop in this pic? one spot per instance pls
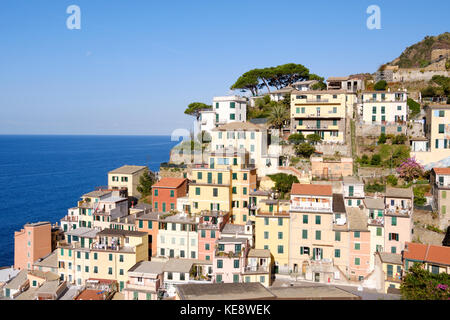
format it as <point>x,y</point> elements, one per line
<point>224,110</point>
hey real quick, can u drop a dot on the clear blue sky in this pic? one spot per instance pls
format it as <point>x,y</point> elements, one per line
<point>135,65</point>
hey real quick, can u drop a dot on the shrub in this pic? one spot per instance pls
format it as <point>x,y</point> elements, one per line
<point>382,139</point>
<point>414,107</point>
<point>399,139</point>
<point>410,169</point>
<point>304,149</point>
<point>380,85</point>
<point>376,160</point>
<point>420,284</point>
<point>392,180</point>
<point>296,138</point>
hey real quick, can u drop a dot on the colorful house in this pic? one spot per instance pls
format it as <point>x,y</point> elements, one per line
<point>32,242</point>
<point>144,280</point>
<point>165,193</point>
<point>436,259</point>
<point>210,225</point>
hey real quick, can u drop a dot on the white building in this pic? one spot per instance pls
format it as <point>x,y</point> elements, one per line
<point>383,107</point>
<point>230,109</point>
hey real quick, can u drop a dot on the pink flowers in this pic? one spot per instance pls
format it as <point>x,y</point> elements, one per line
<point>442,286</point>
<point>410,169</point>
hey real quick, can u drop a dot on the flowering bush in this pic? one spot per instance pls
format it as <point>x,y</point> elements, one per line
<point>420,284</point>
<point>410,169</point>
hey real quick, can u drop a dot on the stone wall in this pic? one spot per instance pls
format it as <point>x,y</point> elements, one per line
<point>417,75</point>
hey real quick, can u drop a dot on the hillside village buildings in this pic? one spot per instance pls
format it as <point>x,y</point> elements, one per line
<point>221,223</point>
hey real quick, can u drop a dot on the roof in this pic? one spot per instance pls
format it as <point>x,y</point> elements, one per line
<point>90,294</point>
<point>442,170</point>
<point>374,203</point>
<point>48,287</point>
<point>50,260</point>
<point>117,232</point>
<point>387,257</point>
<point>148,267</point>
<point>83,232</point>
<point>150,216</point>
<point>311,189</point>
<point>178,265</point>
<point>127,169</point>
<point>319,92</point>
<point>37,224</point>
<point>18,280</point>
<point>338,203</point>
<point>338,78</point>
<point>232,239</point>
<point>96,193</point>
<point>8,273</point>
<point>239,126</point>
<point>233,228</point>
<point>256,253</point>
<point>353,180</point>
<point>313,293</point>
<point>224,291</point>
<point>283,90</point>
<point>357,219</point>
<point>304,82</point>
<point>399,192</point>
<point>427,253</point>
<point>259,193</point>
<point>48,276</point>
<point>169,183</point>
<point>260,121</point>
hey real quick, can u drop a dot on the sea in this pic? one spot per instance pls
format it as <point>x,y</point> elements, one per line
<point>41,176</point>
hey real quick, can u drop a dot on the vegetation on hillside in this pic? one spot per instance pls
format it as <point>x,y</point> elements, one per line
<point>418,55</point>
<point>420,284</point>
<point>283,183</point>
<point>146,182</point>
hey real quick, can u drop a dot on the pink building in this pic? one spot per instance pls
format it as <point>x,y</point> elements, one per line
<point>145,278</point>
<point>398,224</point>
<point>32,242</point>
<point>229,259</point>
<point>209,228</point>
<point>359,248</point>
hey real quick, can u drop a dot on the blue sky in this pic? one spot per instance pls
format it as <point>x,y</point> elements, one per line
<point>135,65</point>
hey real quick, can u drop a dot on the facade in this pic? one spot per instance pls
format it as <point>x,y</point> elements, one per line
<point>350,84</point>
<point>440,189</point>
<point>437,128</point>
<point>258,267</point>
<point>32,242</point>
<point>144,280</point>
<point>256,139</point>
<point>359,248</point>
<point>210,225</point>
<point>312,236</point>
<point>149,223</point>
<point>331,169</point>
<point>321,112</point>
<point>229,109</point>
<point>229,259</point>
<point>126,177</point>
<point>272,220</point>
<point>398,224</point>
<point>374,209</point>
<point>177,236</point>
<point>224,184</point>
<point>166,192</point>
<point>353,191</point>
<point>384,107</point>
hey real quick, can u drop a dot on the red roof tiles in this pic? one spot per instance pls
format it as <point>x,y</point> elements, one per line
<point>442,170</point>
<point>427,253</point>
<point>312,189</point>
<point>169,183</point>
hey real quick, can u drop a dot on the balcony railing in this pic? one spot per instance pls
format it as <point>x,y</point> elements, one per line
<point>250,269</point>
<point>151,287</point>
<point>310,208</point>
<point>70,219</point>
<point>317,100</point>
<point>377,221</point>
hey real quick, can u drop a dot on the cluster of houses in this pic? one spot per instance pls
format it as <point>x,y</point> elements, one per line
<point>220,222</point>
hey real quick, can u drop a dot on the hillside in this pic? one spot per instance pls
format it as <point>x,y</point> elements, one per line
<point>419,55</point>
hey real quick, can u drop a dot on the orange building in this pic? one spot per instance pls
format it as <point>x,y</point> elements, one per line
<point>32,242</point>
<point>166,192</point>
<point>149,223</point>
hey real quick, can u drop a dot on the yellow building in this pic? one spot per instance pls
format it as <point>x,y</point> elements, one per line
<point>272,231</point>
<point>322,112</point>
<point>390,267</point>
<point>108,254</point>
<point>126,177</point>
<point>224,184</point>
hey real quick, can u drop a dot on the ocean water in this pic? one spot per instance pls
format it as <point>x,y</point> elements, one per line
<point>42,176</point>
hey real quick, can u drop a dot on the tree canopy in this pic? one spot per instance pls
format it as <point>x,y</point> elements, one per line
<point>283,182</point>
<point>278,77</point>
<point>194,108</point>
<point>420,284</point>
<point>146,182</point>
<point>380,85</point>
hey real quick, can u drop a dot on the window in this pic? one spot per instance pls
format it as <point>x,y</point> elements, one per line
<point>219,278</point>
<point>317,219</point>
<point>318,234</point>
<point>215,192</point>
<point>245,176</point>
<point>357,246</point>
<point>121,258</point>
<point>234,176</point>
<point>379,232</point>
<point>169,275</point>
<point>207,246</point>
<point>200,174</point>
<point>399,108</point>
<point>356,234</point>
<point>235,278</point>
<point>280,221</point>
<point>86,269</point>
<point>399,129</point>
<point>393,236</point>
<point>232,116</point>
<point>121,272</point>
<point>266,235</point>
<point>141,224</point>
<point>337,253</point>
<point>280,235</point>
<point>435,269</point>
<point>280,249</point>
<point>357,261</point>
<point>337,236</point>
<point>304,234</point>
<point>213,233</point>
<point>197,191</point>
<point>219,264</point>
<point>156,192</point>
<point>95,255</point>
<point>394,221</point>
<point>236,263</point>
<point>393,249</point>
<point>234,190</point>
<point>305,219</point>
<point>262,279</point>
<point>266,221</point>
<point>78,255</point>
<point>182,255</point>
<point>172,193</point>
<point>374,110</point>
<point>441,128</point>
<point>95,269</point>
<point>244,190</point>
<point>304,250</point>
<point>110,270</point>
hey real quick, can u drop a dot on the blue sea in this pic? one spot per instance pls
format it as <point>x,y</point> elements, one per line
<point>42,176</point>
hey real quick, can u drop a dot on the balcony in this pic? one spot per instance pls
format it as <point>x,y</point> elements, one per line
<point>379,221</point>
<point>256,269</point>
<point>394,278</point>
<point>70,219</point>
<point>154,286</point>
<point>229,254</point>
<point>317,100</point>
<point>312,127</point>
<point>310,208</point>
<point>396,210</point>
<point>323,265</point>
<point>442,184</point>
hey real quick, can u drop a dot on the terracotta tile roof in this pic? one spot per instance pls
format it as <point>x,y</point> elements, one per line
<point>427,253</point>
<point>169,183</point>
<point>311,189</point>
<point>442,170</point>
